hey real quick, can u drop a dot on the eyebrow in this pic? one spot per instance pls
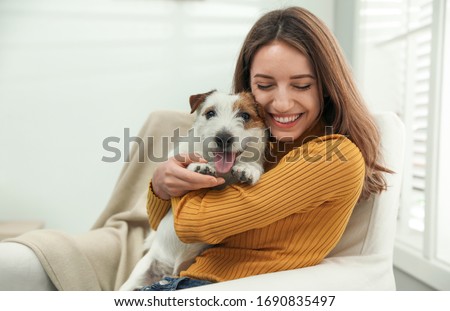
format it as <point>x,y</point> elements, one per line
<point>300,76</point>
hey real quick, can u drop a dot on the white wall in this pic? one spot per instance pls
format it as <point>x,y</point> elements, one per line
<point>75,72</point>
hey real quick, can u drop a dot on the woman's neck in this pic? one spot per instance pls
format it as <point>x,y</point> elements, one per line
<point>279,148</point>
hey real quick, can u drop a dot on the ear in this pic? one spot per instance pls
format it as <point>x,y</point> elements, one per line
<point>196,100</point>
<point>258,108</point>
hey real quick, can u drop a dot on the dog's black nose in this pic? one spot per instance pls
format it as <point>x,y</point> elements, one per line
<point>224,140</point>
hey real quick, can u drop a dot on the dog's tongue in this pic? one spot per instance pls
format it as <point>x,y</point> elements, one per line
<point>224,161</point>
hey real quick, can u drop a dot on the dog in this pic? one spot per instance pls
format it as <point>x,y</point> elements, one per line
<point>233,138</point>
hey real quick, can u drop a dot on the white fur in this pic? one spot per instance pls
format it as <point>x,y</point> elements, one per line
<point>168,255</point>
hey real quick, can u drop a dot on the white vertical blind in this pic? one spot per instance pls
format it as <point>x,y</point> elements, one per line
<point>401,43</point>
<point>443,213</point>
<point>397,44</point>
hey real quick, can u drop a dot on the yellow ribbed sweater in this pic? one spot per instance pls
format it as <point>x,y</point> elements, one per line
<point>292,218</point>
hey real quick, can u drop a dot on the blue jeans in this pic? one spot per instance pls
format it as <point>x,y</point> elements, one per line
<point>172,284</point>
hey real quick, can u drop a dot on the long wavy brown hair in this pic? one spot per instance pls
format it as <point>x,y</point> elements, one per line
<point>342,106</point>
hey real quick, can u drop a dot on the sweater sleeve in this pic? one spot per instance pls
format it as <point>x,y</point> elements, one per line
<point>156,208</point>
<point>325,169</point>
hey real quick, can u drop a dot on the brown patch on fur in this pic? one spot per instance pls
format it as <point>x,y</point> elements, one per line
<point>208,109</point>
<point>246,103</point>
<point>196,100</point>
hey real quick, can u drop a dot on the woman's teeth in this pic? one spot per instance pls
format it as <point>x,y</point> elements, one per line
<point>285,120</point>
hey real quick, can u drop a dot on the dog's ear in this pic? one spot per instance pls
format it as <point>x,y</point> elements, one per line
<point>196,100</point>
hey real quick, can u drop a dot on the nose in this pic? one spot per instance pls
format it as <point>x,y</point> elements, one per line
<point>282,102</point>
<point>224,140</point>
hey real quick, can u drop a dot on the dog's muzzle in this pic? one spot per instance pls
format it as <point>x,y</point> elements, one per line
<point>224,141</point>
<point>224,156</point>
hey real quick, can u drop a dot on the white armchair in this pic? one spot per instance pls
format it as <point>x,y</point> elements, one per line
<point>363,259</point>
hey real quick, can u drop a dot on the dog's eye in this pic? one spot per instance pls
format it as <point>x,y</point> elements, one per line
<point>245,116</point>
<point>210,114</point>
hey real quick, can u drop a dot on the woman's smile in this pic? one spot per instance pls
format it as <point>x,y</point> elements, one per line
<point>286,121</point>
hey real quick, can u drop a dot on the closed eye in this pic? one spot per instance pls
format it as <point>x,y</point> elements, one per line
<point>264,86</point>
<point>302,87</point>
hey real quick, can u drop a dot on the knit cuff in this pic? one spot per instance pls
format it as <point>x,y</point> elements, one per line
<point>157,208</point>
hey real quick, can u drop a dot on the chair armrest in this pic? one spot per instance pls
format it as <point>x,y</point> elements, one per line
<point>337,273</point>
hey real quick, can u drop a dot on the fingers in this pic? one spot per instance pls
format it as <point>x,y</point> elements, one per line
<point>185,159</point>
<point>194,181</point>
<point>172,179</point>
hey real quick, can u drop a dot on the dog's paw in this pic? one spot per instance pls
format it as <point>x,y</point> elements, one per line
<point>246,173</point>
<point>202,168</point>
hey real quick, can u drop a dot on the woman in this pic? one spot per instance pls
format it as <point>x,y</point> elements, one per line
<point>292,218</point>
<point>297,212</point>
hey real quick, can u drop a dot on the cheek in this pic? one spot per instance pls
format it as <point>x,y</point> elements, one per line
<point>317,109</point>
<point>313,104</point>
<point>262,98</point>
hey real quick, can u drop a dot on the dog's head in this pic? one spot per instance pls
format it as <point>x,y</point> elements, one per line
<point>229,125</point>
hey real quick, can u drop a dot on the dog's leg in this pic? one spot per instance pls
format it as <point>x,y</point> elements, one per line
<point>202,168</point>
<point>187,257</point>
<point>248,166</point>
<point>139,275</point>
<point>247,172</point>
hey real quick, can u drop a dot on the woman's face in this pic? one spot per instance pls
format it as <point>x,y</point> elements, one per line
<point>283,82</point>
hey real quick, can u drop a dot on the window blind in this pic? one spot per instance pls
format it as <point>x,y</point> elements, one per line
<point>397,38</point>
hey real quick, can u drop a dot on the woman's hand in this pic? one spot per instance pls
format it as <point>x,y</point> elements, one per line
<point>172,179</point>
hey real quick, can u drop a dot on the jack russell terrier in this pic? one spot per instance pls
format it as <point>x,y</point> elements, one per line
<point>233,138</point>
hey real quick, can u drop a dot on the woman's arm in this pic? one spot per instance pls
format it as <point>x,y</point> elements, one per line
<point>157,208</point>
<point>172,179</point>
<point>325,169</point>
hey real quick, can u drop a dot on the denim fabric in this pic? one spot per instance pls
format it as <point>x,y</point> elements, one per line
<point>172,284</point>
